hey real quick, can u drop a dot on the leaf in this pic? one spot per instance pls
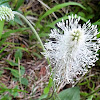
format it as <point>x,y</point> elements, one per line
<point>41,35</point>
<point>15,93</point>
<point>50,82</point>
<point>1,72</point>
<point>81,14</point>
<point>17,20</point>
<point>15,79</point>
<point>4,3</point>
<point>18,55</point>
<point>43,96</point>
<point>14,72</point>
<point>3,48</point>
<point>37,55</point>
<point>46,90</point>
<point>98,35</point>
<point>12,63</point>
<point>7,34</point>
<point>19,3</point>
<point>52,25</point>
<point>24,49</point>
<point>5,89</point>
<point>57,7</point>
<point>1,27</point>
<point>96,23</point>
<point>83,83</point>
<point>24,81</point>
<point>22,70</point>
<point>6,97</point>
<point>70,94</point>
<point>2,41</point>
<point>90,97</point>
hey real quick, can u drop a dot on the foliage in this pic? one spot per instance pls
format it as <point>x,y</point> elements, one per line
<point>45,19</point>
<point>70,94</point>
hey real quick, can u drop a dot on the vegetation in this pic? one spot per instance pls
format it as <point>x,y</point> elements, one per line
<point>24,74</point>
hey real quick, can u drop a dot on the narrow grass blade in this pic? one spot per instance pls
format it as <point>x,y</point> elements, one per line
<point>59,7</point>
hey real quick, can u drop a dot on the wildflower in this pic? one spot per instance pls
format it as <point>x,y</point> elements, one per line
<point>72,49</point>
<point>6,13</point>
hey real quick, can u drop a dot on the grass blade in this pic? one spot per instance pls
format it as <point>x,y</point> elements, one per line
<point>59,7</point>
<point>52,25</point>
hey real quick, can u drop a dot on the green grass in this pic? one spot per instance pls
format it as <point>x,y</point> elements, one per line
<point>18,46</point>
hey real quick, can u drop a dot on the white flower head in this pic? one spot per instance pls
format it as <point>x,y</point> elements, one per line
<point>6,13</point>
<point>72,49</point>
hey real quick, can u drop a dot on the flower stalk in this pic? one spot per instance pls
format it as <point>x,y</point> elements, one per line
<point>33,29</point>
<point>1,27</point>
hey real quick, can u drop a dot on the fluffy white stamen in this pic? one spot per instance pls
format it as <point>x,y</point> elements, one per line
<point>72,49</point>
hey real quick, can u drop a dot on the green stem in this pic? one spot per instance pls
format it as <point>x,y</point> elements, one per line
<point>19,71</point>
<point>1,27</point>
<point>93,92</point>
<point>57,96</point>
<point>34,31</point>
<point>20,76</point>
<point>85,97</point>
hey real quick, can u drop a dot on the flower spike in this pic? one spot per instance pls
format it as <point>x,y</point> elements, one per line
<point>72,49</point>
<point>6,13</point>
